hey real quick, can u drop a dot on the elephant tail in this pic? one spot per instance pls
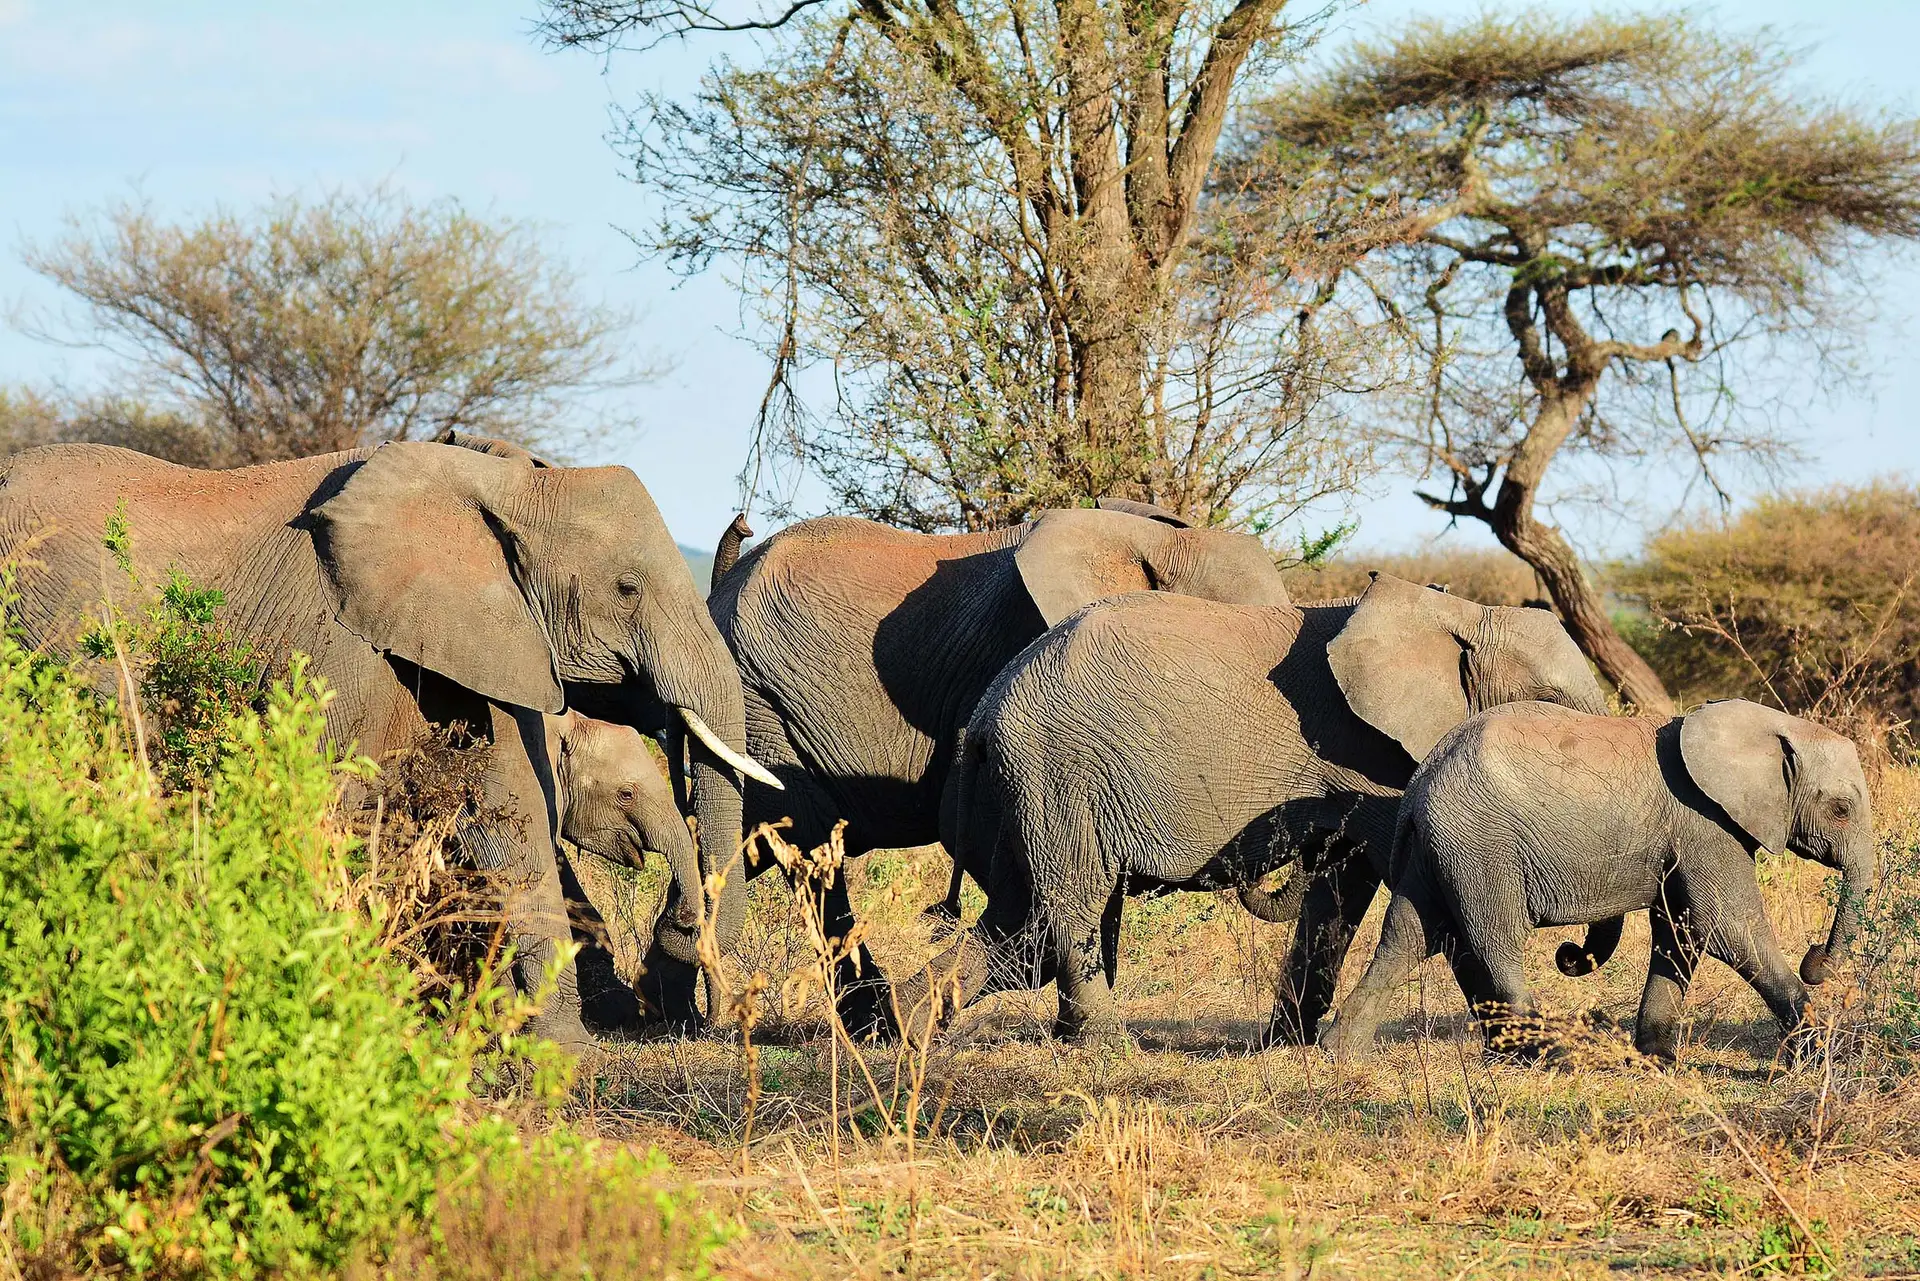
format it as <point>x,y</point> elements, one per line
<point>1574,959</point>
<point>1276,907</point>
<point>960,823</point>
<point>727,553</point>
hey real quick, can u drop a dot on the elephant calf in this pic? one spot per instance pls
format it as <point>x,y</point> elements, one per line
<point>1155,742</point>
<point>1536,815</point>
<point>614,801</point>
<point>617,803</point>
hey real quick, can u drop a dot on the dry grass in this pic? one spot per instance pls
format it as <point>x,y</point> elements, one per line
<point>1192,1156</point>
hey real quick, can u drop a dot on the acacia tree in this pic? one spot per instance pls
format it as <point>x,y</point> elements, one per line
<point>305,327</point>
<point>1594,220</point>
<point>987,217</point>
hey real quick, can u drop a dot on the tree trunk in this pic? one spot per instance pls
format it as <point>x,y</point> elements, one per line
<point>1547,551</point>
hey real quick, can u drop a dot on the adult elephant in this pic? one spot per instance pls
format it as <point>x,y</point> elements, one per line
<point>863,648</point>
<point>1153,743</point>
<point>432,583</point>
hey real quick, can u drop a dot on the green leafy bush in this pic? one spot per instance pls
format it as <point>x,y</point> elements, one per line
<point>1810,602</point>
<point>213,1066</point>
<point>192,676</point>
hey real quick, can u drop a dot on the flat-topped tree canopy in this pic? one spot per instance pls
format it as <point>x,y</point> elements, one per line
<point>1541,202</point>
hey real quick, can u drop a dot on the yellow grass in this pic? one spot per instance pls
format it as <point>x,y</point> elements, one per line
<point>1193,1156</point>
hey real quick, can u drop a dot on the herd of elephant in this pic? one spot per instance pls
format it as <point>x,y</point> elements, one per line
<point>1098,703</point>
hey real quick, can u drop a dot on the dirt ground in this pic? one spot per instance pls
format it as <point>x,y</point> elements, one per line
<point>1003,1153</point>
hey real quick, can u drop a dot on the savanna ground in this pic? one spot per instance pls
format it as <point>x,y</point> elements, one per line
<point>1004,1153</point>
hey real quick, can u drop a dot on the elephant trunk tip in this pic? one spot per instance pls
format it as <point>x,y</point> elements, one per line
<point>1813,966</point>
<point>1573,960</point>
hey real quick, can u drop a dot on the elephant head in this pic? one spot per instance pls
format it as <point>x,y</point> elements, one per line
<point>1789,784</point>
<point>508,578</point>
<point>1074,556</point>
<point>1414,661</point>
<point>617,802</point>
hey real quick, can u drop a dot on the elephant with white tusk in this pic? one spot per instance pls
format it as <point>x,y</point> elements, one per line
<point>863,649</point>
<point>462,581</point>
<point>1535,815</point>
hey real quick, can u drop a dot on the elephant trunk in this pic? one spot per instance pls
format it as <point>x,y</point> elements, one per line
<point>706,712</point>
<point>1859,870</point>
<point>668,834</point>
<point>1603,937</point>
<point>1278,906</point>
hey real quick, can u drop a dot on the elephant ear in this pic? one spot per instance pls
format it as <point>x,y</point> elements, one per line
<point>1075,556</point>
<point>489,445</point>
<point>1148,510</point>
<point>1739,753</point>
<point>1398,661</point>
<point>424,564</point>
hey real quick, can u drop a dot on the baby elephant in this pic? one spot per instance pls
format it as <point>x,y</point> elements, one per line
<point>616,801</point>
<point>1533,814</point>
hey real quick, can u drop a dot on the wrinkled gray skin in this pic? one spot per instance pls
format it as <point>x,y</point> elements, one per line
<point>1534,815</point>
<point>1154,743</point>
<point>615,801</point>
<point>863,649</point>
<point>430,583</point>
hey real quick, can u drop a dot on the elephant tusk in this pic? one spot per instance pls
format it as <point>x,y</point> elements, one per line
<point>745,764</point>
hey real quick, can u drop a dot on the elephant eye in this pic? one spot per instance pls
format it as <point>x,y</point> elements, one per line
<point>626,796</point>
<point>629,584</point>
<point>1841,811</point>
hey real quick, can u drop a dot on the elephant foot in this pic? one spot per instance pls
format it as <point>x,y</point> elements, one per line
<point>1346,1042</point>
<point>1097,1034</point>
<point>945,918</point>
<point>1287,1029</point>
<point>606,1004</point>
<point>866,1011</point>
<point>667,989</point>
<point>562,1027</point>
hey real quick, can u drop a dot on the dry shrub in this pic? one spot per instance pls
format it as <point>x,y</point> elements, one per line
<point>1809,602</point>
<point>567,1213</point>
<point>1490,576</point>
<point>439,913</point>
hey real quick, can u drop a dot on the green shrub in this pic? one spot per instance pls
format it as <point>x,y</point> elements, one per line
<point>192,676</point>
<point>1810,602</point>
<point>216,1070</point>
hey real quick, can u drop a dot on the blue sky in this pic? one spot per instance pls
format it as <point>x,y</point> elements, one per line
<point>197,102</point>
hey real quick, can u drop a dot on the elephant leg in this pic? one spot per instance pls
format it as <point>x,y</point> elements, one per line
<point>1412,932</point>
<point>1676,952</point>
<point>1110,935</point>
<point>1491,919</point>
<point>1335,902</point>
<point>947,910</point>
<point>606,1003</point>
<point>1087,1008</point>
<point>1734,924</point>
<point>866,999</point>
<point>519,781</point>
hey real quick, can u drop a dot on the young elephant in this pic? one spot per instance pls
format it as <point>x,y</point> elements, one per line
<point>1535,815</point>
<point>616,802</point>
<point>1154,742</point>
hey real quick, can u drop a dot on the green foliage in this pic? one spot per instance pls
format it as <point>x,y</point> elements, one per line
<point>216,1064</point>
<point>1810,602</point>
<point>192,675</point>
<point>212,1066</point>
